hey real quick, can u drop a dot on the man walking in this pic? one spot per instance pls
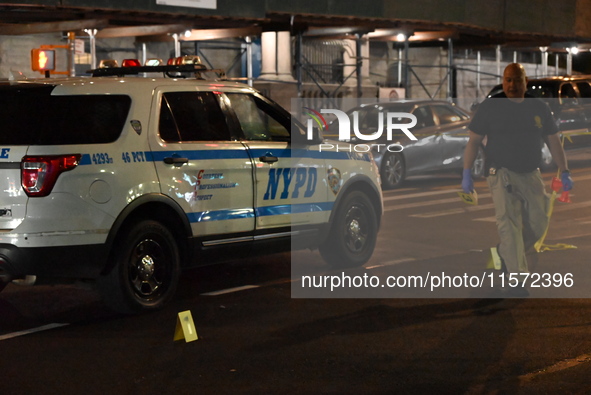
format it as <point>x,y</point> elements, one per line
<point>515,127</point>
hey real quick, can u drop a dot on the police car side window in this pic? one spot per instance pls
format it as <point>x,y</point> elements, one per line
<point>59,120</point>
<point>192,116</point>
<point>256,120</point>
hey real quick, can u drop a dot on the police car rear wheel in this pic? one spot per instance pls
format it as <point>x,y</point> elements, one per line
<point>353,235</point>
<point>146,269</point>
<point>393,170</point>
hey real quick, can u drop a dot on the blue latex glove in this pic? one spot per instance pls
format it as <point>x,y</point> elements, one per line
<point>467,183</point>
<point>567,182</point>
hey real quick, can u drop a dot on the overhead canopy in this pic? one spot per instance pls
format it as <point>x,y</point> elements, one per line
<point>425,22</point>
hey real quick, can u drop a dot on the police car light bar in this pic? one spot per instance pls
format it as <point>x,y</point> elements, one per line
<point>184,64</point>
<point>130,63</point>
<point>108,63</point>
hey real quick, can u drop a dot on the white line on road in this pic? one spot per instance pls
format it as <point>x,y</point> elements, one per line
<point>446,191</point>
<point>558,207</point>
<point>230,290</point>
<point>562,365</point>
<point>391,263</point>
<point>431,203</point>
<point>577,177</point>
<point>32,330</point>
<point>453,211</point>
<point>575,236</point>
<point>420,194</point>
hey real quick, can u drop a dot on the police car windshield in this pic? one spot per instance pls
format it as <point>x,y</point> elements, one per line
<point>29,115</point>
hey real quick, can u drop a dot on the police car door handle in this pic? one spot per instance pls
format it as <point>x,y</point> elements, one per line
<point>175,161</point>
<point>268,158</point>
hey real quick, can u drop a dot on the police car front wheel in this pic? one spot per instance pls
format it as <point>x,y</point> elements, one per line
<point>353,234</point>
<point>146,271</point>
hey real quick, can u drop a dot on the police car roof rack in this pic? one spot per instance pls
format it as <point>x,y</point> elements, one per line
<point>168,70</point>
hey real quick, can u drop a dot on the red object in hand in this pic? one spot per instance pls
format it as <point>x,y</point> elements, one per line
<point>564,197</point>
<point>556,184</point>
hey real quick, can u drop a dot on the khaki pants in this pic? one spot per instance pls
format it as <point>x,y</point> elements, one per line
<point>521,209</point>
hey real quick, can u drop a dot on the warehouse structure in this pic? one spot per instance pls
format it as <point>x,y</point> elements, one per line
<point>453,49</point>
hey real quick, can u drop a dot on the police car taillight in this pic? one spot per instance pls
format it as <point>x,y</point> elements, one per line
<point>39,173</point>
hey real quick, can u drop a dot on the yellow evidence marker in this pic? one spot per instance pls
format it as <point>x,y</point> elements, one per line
<point>469,198</point>
<point>185,328</point>
<point>494,262</point>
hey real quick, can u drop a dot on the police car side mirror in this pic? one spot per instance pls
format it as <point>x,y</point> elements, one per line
<point>301,136</point>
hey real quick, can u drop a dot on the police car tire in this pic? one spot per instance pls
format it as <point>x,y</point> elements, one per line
<point>353,234</point>
<point>146,271</point>
<point>393,172</point>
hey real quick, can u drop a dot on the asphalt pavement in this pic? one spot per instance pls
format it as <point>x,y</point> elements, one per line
<point>256,337</point>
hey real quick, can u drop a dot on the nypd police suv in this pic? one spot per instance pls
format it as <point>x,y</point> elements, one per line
<point>123,181</point>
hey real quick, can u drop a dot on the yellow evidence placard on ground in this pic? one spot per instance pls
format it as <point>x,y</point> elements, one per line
<point>185,328</point>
